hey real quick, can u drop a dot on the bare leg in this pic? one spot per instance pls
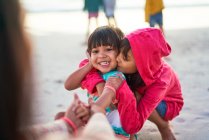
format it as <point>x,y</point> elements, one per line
<point>163,126</point>
<point>108,20</point>
<point>114,20</point>
<point>88,31</point>
<point>97,23</point>
<point>111,21</point>
<point>132,137</point>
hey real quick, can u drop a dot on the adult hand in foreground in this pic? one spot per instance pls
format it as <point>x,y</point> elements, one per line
<point>70,113</point>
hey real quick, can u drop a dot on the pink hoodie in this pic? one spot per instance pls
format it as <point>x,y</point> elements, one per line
<point>148,46</point>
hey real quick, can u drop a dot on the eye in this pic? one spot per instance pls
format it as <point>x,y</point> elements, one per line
<point>94,51</point>
<point>109,48</point>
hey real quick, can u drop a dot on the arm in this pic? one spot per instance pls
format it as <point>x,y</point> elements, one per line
<point>74,80</point>
<point>106,98</point>
<point>58,128</point>
<point>46,131</point>
<point>133,116</point>
<point>100,87</point>
<point>108,94</point>
<point>92,81</point>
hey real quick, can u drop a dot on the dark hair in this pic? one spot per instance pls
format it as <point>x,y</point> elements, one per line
<point>14,68</point>
<point>124,48</point>
<point>134,80</point>
<point>105,36</point>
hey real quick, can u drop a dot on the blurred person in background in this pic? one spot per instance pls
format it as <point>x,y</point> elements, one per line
<point>109,10</point>
<point>154,13</point>
<point>92,7</point>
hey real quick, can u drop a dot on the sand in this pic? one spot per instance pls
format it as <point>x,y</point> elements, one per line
<point>58,48</point>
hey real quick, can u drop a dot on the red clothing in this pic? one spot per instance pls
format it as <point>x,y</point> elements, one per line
<point>91,79</point>
<point>161,83</point>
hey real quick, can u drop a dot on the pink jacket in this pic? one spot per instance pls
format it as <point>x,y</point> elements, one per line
<point>148,46</point>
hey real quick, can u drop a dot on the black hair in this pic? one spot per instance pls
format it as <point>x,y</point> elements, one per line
<point>133,80</point>
<point>105,36</point>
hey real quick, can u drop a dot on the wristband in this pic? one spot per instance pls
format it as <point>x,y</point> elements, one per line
<point>114,101</point>
<point>110,87</point>
<point>71,124</point>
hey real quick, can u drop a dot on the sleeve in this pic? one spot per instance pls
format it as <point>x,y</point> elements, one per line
<point>90,81</point>
<point>133,116</point>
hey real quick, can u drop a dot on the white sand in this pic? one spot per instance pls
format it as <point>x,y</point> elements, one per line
<point>58,38</point>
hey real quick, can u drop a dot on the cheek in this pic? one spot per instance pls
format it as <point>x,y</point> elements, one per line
<point>92,60</point>
<point>129,68</point>
<point>132,66</point>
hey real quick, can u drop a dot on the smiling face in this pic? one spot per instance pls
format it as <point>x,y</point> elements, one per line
<point>103,58</point>
<point>103,46</point>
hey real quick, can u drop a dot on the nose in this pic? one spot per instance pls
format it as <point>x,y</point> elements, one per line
<point>102,54</point>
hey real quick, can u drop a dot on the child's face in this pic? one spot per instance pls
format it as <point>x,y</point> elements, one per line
<point>126,66</point>
<point>103,58</point>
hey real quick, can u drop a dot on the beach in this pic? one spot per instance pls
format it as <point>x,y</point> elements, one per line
<point>58,38</point>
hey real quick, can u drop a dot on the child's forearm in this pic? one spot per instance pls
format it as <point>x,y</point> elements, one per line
<point>105,98</point>
<point>74,80</point>
<point>100,87</point>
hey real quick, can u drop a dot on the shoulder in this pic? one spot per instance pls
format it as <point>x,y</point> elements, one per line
<point>83,62</point>
<point>113,73</point>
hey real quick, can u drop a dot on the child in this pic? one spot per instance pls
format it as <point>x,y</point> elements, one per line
<point>92,6</point>
<point>153,13</point>
<point>103,46</point>
<point>155,83</point>
<point>109,9</point>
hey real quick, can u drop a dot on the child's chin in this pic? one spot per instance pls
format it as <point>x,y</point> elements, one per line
<point>104,71</point>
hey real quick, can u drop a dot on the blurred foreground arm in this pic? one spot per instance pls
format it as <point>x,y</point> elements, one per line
<point>65,128</point>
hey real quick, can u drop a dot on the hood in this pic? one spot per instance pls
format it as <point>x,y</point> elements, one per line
<point>148,46</point>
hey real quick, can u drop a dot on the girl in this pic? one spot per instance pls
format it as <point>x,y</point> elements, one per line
<point>103,45</point>
<point>155,83</point>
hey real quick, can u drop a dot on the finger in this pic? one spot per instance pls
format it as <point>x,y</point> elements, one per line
<point>90,100</point>
<point>76,102</point>
<point>85,118</point>
<point>80,109</point>
<point>82,114</point>
<point>76,96</point>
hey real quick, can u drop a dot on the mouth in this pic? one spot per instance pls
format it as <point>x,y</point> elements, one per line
<point>104,63</point>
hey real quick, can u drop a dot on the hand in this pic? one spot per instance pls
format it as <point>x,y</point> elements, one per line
<point>70,113</point>
<point>89,58</point>
<point>114,82</point>
<point>82,112</point>
<point>95,108</point>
